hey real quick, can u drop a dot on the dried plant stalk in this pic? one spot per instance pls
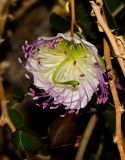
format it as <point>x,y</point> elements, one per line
<point>109,34</point>
<point>118,107</point>
<point>4,11</point>
<point>4,119</point>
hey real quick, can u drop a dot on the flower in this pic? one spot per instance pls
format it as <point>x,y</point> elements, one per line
<point>67,70</point>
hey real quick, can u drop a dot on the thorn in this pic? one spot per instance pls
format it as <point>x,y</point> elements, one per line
<point>122,109</point>
<point>92,13</point>
<point>113,30</point>
<point>100,28</point>
<point>115,139</point>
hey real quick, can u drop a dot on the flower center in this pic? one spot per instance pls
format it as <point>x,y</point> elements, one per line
<point>72,52</point>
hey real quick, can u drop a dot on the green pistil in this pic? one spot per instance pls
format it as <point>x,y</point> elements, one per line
<point>72,51</point>
<point>74,83</point>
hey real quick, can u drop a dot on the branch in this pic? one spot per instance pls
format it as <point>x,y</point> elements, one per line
<point>4,12</point>
<point>4,119</point>
<point>102,21</point>
<point>118,107</point>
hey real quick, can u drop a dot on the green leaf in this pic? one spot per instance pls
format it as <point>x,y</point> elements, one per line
<point>86,21</point>
<point>26,140</point>
<point>59,23</point>
<point>108,8</point>
<point>113,6</point>
<point>16,118</point>
<point>19,94</point>
<point>109,115</point>
<point>14,106</point>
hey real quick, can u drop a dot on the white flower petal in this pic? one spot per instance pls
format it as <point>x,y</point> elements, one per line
<point>59,61</point>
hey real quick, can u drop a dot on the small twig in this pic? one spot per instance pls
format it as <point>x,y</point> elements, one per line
<point>4,119</point>
<point>109,34</point>
<point>86,136</point>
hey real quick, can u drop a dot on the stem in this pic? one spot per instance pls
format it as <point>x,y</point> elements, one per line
<point>72,16</point>
<point>86,136</point>
<point>118,132</point>
<point>108,33</point>
<point>4,112</point>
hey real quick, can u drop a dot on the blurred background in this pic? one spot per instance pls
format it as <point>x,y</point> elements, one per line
<point>22,20</point>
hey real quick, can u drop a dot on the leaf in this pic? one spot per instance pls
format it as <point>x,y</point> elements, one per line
<point>86,21</point>
<point>14,106</point>
<point>109,115</point>
<point>113,6</point>
<point>19,94</point>
<point>108,8</point>
<point>26,141</point>
<point>16,118</point>
<point>59,23</point>
<point>62,132</point>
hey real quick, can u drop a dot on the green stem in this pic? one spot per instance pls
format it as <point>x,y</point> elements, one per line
<point>72,17</point>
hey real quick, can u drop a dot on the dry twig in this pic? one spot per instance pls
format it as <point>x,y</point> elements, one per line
<point>109,34</point>
<point>4,11</point>
<point>118,133</point>
<point>118,107</point>
<point>4,119</point>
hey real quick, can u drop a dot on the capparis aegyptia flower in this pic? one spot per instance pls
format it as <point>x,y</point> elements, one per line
<point>67,70</point>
